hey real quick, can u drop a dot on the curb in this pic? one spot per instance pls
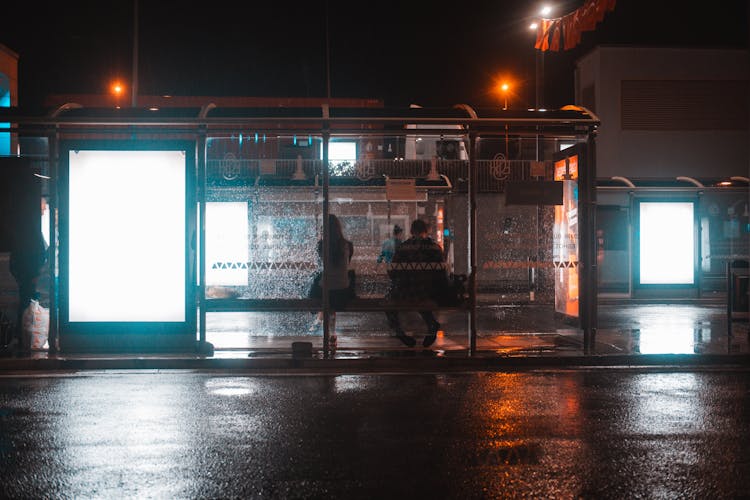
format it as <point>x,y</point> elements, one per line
<point>411,364</point>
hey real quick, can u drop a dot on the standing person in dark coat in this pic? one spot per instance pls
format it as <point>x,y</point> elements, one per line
<point>417,273</point>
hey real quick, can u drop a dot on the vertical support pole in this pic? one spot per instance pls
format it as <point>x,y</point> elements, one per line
<point>698,246</point>
<point>134,86</point>
<point>472,288</point>
<point>328,56</point>
<point>539,60</point>
<point>730,295</point>
<point>326,250</point>
<point>588,265</point>
<point>538,154</point>
<point>54,175</point>
<point>631,244</point>
<point>201,156</point>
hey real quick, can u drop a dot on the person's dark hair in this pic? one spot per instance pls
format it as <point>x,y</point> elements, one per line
<point>418,226</point>
<point>336,241</point>
<point>397,229</point>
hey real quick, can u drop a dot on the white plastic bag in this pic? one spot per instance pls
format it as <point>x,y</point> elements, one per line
<point>35,326</point>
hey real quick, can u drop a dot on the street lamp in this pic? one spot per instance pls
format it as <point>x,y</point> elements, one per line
<point>504,87</point>
<point>117,89</point>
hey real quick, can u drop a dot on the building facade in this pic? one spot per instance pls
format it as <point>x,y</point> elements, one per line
<point>673,143</point>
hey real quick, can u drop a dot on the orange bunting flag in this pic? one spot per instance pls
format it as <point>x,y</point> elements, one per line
<point>564,33</point>
<point>542,34</point>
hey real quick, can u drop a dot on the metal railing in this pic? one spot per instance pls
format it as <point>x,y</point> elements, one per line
<point>492,174</point>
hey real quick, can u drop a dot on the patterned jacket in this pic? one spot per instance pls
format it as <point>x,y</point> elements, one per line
<point>417,270</point>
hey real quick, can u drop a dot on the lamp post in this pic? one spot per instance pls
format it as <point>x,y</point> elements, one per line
<point>328,55</point>
<point>539,59</point>
<point>538,104</point>
<point>539,71</point>
<point>505,88</point>
<point>134,86</point>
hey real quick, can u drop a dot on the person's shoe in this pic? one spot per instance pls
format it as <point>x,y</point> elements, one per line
<point>408,341</point>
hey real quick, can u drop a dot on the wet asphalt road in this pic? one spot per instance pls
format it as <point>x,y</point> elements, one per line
<point>615,433</point>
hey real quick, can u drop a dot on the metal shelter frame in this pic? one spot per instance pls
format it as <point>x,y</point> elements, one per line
<point>196,124</point>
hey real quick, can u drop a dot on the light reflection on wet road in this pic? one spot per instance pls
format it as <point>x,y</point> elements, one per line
<point>622,329</point>
<point>551,434</point>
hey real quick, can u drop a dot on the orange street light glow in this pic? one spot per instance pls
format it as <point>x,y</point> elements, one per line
<point>504,88</point>
<point>117,88</point>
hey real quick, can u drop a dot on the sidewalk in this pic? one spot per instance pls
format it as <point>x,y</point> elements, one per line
<point>509,337</point>
<point>386,354</point>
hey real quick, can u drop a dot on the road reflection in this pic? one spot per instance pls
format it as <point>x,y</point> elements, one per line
<point>542,434</point>
<point>664,332</point>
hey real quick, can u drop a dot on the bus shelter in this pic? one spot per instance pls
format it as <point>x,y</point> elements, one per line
<point>168,225</point>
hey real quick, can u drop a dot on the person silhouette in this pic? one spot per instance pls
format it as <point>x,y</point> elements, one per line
<point>340,251</point>
<point>389,246</point>
<point>417,272</point>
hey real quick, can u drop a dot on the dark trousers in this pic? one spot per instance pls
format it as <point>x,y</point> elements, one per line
<point>395,323</point>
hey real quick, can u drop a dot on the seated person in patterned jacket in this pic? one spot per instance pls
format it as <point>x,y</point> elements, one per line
<point>417,273</point>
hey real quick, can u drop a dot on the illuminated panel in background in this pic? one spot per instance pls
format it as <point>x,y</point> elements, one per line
<point>439,235</point>
<point>4,103</point>
<point>339,151</point>
<point>226,243</point>
<point>127,236</point>
<point>667,246</point>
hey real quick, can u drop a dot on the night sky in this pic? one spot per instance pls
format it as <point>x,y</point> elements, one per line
<point>427,53</point>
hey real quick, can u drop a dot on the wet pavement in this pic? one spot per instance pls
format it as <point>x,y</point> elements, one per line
<point>503,329</point>
<point>508,335</point>
<point>618,433</point>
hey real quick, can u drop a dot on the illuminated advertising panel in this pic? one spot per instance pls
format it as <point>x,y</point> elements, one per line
<point>126,226</point>
<point>666,243</point>
<point>126,258</point>
<point>565,252</point>
<point>227,242</point>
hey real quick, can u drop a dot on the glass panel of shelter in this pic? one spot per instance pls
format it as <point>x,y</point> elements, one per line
<point>264,219</point>
<point>264,206</point>
<point>517,272</point>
